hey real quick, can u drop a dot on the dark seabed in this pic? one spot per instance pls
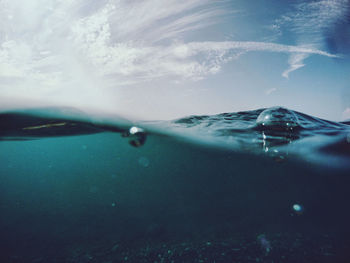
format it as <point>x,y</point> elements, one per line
<point>258,186</point>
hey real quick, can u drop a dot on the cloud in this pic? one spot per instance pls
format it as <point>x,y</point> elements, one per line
<point>65,48</point>
<point>192,60</point>
<point>295,62</point>
<point>309,21</point>
<point>269,91</point>
<point>346,114</point>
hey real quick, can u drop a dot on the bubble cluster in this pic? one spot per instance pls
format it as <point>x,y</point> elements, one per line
<point>264,243</point>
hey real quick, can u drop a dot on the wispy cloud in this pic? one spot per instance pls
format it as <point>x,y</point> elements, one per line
<point>295,61</point>
<point>269,91</point>
<point>310,19</point>
<point>308,22</point>
<point>346,114</point>
<point>155,20</point>
<point>52,47</point>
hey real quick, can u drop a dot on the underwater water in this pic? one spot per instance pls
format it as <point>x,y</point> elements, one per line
<point>269,185</point>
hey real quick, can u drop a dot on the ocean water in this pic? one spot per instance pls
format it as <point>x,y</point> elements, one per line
<point>268,185</point>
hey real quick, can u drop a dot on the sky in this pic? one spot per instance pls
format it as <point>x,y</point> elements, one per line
<point>164,59</point>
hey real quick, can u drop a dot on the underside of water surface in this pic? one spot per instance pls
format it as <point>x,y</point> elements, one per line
<point>269,185</point>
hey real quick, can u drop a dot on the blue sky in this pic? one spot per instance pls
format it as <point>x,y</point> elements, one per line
<point>162,59</point>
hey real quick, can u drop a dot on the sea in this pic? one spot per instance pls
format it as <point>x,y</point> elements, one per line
<point>267,185</point>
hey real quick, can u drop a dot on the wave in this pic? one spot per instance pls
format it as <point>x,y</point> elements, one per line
<point>269,130</point>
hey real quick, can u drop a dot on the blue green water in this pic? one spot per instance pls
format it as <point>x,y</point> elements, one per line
<point>269,185</point>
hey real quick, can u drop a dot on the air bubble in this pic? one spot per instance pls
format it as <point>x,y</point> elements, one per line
<point>298,209</point>
<point>137,136</point>
<point>279,126</point>
<point>143,161</point>
<point>277,119</point>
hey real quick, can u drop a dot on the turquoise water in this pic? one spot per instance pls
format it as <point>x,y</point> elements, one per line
<point>269,185</point>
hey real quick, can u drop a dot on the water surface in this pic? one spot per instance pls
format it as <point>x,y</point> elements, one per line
<point>269,185</point>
